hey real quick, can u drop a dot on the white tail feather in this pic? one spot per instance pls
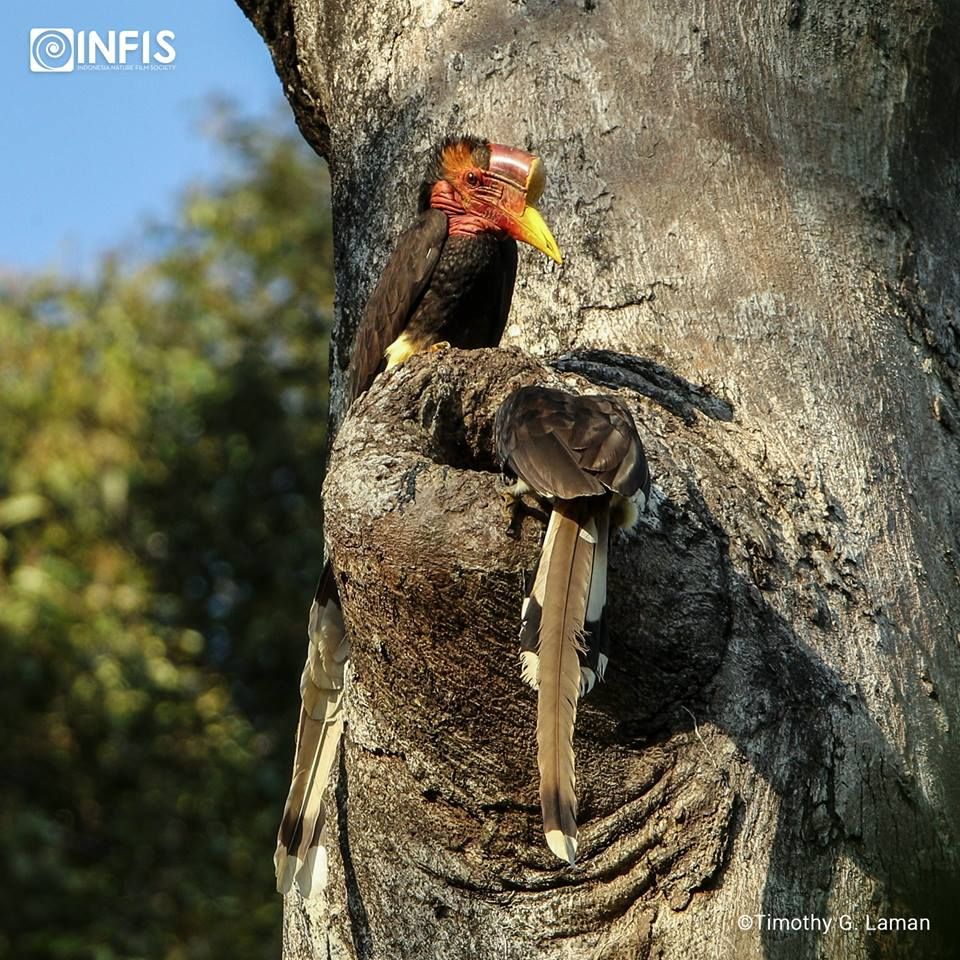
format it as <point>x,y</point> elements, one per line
<point>530,668</point>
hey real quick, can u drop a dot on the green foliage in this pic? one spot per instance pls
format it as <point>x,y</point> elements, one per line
<point>161,443</point>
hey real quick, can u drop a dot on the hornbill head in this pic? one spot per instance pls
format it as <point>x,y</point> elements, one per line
<point>485,186</point>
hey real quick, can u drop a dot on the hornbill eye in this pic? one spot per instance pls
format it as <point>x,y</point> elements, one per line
<point>472,179</point>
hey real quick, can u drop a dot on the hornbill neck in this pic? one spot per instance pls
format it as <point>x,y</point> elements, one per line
<point>461,223</point>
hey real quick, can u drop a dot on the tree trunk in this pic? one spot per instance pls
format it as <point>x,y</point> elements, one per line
<point>757,203</point>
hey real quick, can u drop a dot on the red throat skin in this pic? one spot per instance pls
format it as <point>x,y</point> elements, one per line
<point>462,223</point>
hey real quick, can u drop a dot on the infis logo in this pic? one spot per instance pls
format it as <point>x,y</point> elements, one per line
<point>63,50</point>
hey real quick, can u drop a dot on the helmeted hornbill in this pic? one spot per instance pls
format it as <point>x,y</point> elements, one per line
<point>449,281</point>
<point>584,454</point>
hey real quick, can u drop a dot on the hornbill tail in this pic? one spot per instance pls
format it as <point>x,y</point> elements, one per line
<point>300,856</point>
<point>565,573</point>
<point>584,453</point>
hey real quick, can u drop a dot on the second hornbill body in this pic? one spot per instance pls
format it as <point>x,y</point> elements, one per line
<point>584,454</point>
<point>449,281</point>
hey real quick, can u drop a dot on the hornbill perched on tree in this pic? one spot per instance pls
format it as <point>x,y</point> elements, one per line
<point>584,454</point>
<point>449,281</point>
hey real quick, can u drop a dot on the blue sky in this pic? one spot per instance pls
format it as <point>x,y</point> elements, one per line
<point>85,155</point>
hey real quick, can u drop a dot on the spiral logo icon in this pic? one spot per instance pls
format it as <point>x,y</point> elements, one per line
<point>51,50</point>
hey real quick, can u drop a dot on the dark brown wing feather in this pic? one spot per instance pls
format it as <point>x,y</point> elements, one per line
<point>395,297</point>
<point>568,446</point>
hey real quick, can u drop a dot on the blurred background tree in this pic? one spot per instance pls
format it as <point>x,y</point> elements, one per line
<point>162,430</point>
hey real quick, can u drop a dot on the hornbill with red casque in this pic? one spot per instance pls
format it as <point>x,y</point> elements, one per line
<point>584,454</point>
<point>449,281</point>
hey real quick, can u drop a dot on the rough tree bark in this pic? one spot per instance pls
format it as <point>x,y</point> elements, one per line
<point>758,204</point>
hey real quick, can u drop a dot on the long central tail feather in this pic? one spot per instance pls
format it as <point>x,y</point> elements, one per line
<point>565,572</point>
<point>300,856</point>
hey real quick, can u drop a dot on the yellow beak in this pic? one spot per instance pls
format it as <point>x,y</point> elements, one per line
<point>530,228</point>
